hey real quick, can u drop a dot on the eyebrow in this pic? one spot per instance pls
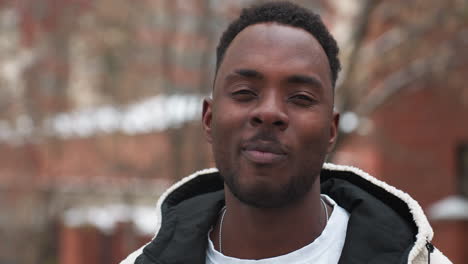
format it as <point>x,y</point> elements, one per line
<point>293,79</point>
<point>303,79</point>
<point>246,73</point>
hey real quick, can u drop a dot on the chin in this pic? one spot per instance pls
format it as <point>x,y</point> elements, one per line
<point>261,192</point>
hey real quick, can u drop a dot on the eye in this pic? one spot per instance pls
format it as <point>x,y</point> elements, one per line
<point>302,100</point>
<point>243,95</point>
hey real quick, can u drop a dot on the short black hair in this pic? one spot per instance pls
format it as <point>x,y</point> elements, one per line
<point>288,14</point>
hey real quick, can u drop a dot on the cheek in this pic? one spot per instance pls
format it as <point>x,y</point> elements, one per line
<point>227,124</point>
<point>223,126</point>
<point>313,132</point>
<point>226,134</point>
<point>227,120</point>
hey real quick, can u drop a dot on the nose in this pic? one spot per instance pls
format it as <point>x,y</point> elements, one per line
<point>269,111</point>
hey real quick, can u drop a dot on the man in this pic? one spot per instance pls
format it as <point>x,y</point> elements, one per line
<point>272,199</point>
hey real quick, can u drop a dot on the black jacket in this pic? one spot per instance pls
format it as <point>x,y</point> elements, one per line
<point>385,224</point>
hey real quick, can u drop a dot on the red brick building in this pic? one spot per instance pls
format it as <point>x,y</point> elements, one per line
<point>82,131</point>
<point>408,149</point>
<point>406,113</point>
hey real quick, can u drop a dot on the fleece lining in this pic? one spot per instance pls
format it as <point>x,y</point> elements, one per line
<point>402,204</point>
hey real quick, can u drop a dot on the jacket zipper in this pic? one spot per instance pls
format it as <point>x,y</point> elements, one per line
<point>430,249</point>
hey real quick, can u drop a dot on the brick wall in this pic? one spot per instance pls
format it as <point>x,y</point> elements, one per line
<point>72,54</point>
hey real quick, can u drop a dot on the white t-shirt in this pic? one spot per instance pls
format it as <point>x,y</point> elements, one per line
<point>325,249</point>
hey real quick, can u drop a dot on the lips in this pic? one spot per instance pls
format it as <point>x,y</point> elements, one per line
<point>264,153</point>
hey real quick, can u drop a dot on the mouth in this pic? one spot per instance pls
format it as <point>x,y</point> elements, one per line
<point>264,153</point>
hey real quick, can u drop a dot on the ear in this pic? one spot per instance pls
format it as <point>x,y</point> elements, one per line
<point>207,117</point>
<point>333,131</point>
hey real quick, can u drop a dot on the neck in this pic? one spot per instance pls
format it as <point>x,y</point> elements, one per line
<point>257,233</point>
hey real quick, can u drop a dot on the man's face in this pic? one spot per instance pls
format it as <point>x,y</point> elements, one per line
<point>271,120</point>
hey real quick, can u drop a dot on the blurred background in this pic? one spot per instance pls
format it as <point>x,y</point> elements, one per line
<point>100,105</point>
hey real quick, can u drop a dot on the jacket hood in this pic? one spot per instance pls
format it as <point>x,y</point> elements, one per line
<point>405,227</point>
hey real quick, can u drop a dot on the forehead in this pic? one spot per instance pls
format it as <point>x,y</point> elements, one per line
<point>276,47</point>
